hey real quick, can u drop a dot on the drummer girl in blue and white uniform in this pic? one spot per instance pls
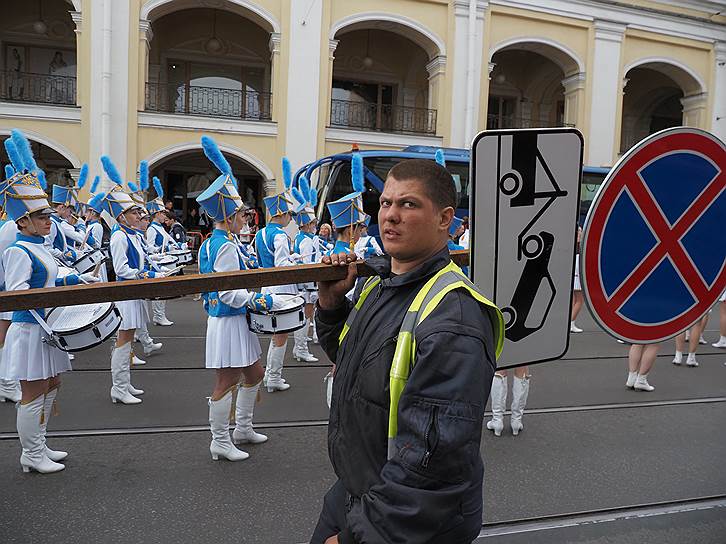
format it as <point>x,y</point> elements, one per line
<point>129,263</point>
<point>29,265</point>
<point>158,241</point>
<point>307,246</point>
<point>272,246</point>
<point>347,213</point>
<point>231,348</point>
<point>94,228</point>
<point>367,246</point>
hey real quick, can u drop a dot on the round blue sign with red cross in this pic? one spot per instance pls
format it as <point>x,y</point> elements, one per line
<point>653,256</point>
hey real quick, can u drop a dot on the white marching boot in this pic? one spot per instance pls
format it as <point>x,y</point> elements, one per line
<point>520,392</point>
<point>158,308</point>
<point>121,375</point>
<point>641,383</point>
<point>498,397</point>
<point>244,432</point>
<point>273,370</point>
<point>221,445</point>
<point>30,432</point>
<point>10,390</point>
<point>143,336</point>
<point>50,397</point>
<point>574,328</point>
<point>630,382</point>
<point>301,352</point>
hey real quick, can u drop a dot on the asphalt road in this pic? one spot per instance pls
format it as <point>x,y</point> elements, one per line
<point>143,473</point>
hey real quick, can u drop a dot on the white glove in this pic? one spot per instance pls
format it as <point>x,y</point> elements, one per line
<point>294,257</point>
<point>89,278</point>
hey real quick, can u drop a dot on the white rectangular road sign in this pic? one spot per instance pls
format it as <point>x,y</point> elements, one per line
<point>525,201</point>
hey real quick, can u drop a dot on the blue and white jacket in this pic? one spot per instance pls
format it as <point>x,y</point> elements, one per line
<point>128,255</point>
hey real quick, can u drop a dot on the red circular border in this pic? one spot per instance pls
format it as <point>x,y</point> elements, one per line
<point>643,333</point>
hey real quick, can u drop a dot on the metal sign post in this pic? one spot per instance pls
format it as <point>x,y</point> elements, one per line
<point>525,203</point>
<point>654,245</point>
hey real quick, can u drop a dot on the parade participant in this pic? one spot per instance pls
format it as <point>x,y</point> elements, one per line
<point>9,389</point>
<point>454,231</point>
<point>29,265</point>
<point>464,238</point>
<point>641,359</point>
<point>498,396</point>
<point>367,246</point>
<point>410,380</point>
<point>129,263</point>
<point>693,342</point>
<point>306,247</point>
<point>142,333</point>
<point>231,348</point>
<point>578,299</point>
<point>347,213</point>
<point>158,241</point>
<point>722,322</point>
<point>325,235</point>
<point>94,228</point>
<point>272,246</point>
<point>64,202</point>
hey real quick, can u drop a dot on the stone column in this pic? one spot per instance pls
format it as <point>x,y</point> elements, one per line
<point>694,110</point>
<point>274,45</point>
<point>460,71</point>
<point>718,121</point>
<point>146,34</point>
<point>270,187</point>
<point>574,96</point>
<point>80,69</point>
<point>332,46</point>
<point>606,94</point>
<point>436,70</point>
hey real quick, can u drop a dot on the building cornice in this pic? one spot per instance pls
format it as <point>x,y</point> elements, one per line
<point>364,137</point>
<point>188,122</point>
<point>40,112</point>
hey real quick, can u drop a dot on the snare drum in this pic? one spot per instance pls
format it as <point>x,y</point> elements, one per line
<point>184,256</point>
<point>77,328</point>
<point>89,261</point>
<point>289,317</point>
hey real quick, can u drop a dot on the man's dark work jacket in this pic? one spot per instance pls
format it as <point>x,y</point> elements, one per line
<point>432,488</point>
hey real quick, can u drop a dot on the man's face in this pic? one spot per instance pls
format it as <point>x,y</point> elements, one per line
<point>411,225</point>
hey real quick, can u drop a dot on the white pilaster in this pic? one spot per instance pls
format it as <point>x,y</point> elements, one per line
<point>694,110</point>
<point>463,70</point>
<point>605,92</point>
<point>109,75</point>
<point>718,122</point>
<point>574,95</point>
<point>303,88</point>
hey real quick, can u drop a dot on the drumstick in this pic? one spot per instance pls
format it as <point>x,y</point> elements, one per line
<point>97,269</point>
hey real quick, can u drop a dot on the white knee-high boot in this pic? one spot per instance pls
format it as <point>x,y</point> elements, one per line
<point>315,330</point>
<point>221,445</point>
<point>121,375</point>
<point>520,391</point>
<point>159,313</point>
<point>9,389</point>
<point>498,397</point>
<point>142,335</point>
<point>244,432</point>
<point>273,371</point>
<point>50,397</point>
<point>30,432</point>
<point>301,352</point>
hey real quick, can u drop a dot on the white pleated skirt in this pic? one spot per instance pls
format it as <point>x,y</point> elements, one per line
<point>576,283</point>
<point>26,357</point>
<point>281,290</point>
<point>134,314</point>
<point>230,343</point>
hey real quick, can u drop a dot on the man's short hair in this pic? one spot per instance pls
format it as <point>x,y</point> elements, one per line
<point>436,179</point>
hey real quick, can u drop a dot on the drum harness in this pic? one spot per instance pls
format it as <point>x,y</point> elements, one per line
<point>428,298</point>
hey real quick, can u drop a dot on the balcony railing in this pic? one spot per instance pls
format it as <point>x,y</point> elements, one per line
<point>382,117</point>
<point>37,88</point>
<point>512,121</point>
<point>208,101</point>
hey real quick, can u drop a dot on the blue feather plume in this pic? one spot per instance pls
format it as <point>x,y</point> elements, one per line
<point>96,200</point>
<point>305,187</point>
<point>23,146</point>
<point>298,195</point>
<point>313,197</point>
<point>9,171</point>
<point>356,173</point>
<point>133,187</point>
<point>286,173</point>
<point>144,175</point>
<point>439,157</point>
<point>110,168</point>
<point>83,176</point>
<point>41,179</point>
<point>95,184</point>
<point>14,155</point>
<point>213,153</point>
<point>158,188</point>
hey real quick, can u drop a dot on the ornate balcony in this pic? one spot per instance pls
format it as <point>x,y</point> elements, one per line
<point>37,88</point>
<point>382,117</point>
<point>209,101</point>
<point>511,121</point>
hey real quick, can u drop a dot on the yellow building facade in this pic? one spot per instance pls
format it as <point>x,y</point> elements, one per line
<point>144,79</point>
